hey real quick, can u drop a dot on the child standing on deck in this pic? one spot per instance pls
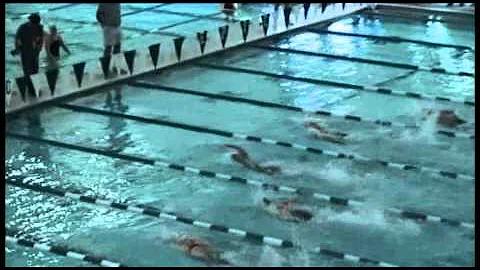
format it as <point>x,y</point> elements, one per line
<point>53,42</point>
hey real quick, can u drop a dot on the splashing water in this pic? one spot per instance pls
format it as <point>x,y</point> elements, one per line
<point>337,173</point>
<point>269,257</point>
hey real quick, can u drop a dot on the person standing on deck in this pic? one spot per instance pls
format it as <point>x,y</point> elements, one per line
<point>53,42</point>
<point>28,43</point>
<point>109,17</point>
<point>229,10</point>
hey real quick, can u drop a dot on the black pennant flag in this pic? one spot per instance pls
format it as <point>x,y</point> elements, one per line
<point>154,52</point>
<point>265,22</point>
<point>130,59</point>
<point>245,25</point>
<point>79,69</point>
<point>52,76</point>
<point>105,61</point>
<point>324,6</point>
<point>286,14</point>
<point>306,7</point>
<point>178,46</point>
<point>21,84</point>
<point>343,6</point>
<point>223,31</point>
<point>202,40</point>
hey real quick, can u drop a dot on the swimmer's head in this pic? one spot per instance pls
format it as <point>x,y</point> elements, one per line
<point>183,240</point>
<point>53,29</point>
<point>266,201</point>
<point>301,214</point>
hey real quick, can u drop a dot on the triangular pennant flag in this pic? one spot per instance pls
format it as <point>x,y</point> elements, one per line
<point>154,52</point>
<point>202,40</point>
<point>21,86</point>
<point>286,14</point>
<point>105,61</point>
<point>306,7</point>
<point>324,6</point>
<point>223,31</point>
<point>130,59</point>
<point>79,69</point>
<point>265,23</point>
<point>343,6</point>
<point>178,46</point>
<point>245,25</point>
<point>52,76</point>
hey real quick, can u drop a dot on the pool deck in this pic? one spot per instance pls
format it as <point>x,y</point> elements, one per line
<point>88,46</point>
<point>91,74</point>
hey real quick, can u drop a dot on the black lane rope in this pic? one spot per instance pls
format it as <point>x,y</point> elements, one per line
<point>364,60</point>
<point>145,9</point>
<point>367,88</point>
<point>210,17</point>
<point>418,18</point>
<point>325,113</point>
<point>158,213</point>
<point>251,182</point>
<point>391,39</point>
<point>62,250</point>
<point>200,129</point>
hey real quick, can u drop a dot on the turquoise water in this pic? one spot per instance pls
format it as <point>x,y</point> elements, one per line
<point>141,241</point>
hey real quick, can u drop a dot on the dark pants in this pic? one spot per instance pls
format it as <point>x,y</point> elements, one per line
<point>108,49</point>
<point>30,66</point>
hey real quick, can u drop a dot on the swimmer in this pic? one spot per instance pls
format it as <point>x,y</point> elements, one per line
<point>322,133</point>
<point>287,210</point>
<point>446,118</point>
<point>53,43</point>
<point>201,250</point>
<point>241,156</point>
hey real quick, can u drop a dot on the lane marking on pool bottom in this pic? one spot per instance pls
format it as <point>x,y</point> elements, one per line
<point>200,129</point>
<point>157,213</point>
<point>62,250</point>
<point>364,60</point>
<point>348,117</point>
<point>367,88</point>
<point>245,181</point>
<point>395,39</point>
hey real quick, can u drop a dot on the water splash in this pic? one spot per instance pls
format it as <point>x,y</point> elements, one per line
<point>336,172</point>
<point>270,257</point>
<point>371,218</point>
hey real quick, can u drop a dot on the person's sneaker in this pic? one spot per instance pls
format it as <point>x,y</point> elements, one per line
<point>114,71</point>
<point>123,72</point>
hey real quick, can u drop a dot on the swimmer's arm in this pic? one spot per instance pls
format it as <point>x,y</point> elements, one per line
<point>240,150</point>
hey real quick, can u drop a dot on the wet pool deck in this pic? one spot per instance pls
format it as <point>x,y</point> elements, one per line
<point>141,24</point>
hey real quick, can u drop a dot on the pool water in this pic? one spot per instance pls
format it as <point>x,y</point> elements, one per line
<point>137,240</point>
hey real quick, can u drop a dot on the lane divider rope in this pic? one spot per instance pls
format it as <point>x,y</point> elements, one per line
<point>306,192</point>
<point>157,213</point>
<point>200,129</point>
<point>391,39</point>
<point>62,250</point>
<point>325,113</point>
<point>364,60</point>
<point>367,88</point>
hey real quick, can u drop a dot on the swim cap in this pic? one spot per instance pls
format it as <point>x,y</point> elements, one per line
<point>301,214</point>
<point>266,201</point>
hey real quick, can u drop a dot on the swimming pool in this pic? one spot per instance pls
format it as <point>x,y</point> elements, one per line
<point>367,231</point>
